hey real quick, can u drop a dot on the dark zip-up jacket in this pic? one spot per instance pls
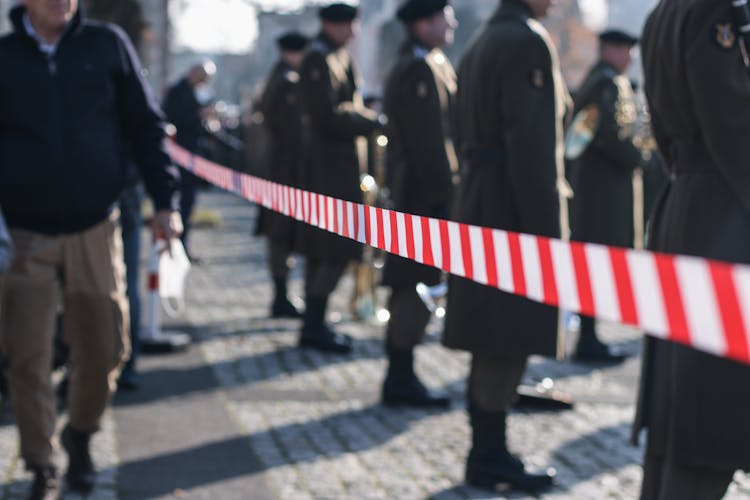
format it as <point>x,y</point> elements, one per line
<point>66,121</point>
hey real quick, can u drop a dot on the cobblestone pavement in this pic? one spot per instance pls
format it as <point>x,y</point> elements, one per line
<point>313,420</point>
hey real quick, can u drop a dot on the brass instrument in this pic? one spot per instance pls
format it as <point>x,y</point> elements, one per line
<point>363,304</point>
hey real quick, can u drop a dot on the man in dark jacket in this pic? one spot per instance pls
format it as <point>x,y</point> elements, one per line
<point>183,110</point>
<point>334,116</point>
<point>419,94</point>
<point>74,99</point>
<point>695,405</point>
<point>509,116</point>
<point>282,119</point>
<point>602,176</point>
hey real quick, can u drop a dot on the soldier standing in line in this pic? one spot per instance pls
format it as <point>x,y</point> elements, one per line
<point>602,173</point>
<point>282,119</point>
<point>509,127</point>
<point>422,165</point>
<point>333,117</point>
<point>695,405</point>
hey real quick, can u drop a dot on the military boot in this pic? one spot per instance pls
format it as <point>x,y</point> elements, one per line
<point>316,334</point>
<point>45,485</point>
<point>591,349</point>
<point>81,475</point>
<point>490,464</point>
<point>282,307</point>
<point>402,387</point>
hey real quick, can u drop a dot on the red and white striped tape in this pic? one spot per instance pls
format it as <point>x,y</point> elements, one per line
<point>698,302</point>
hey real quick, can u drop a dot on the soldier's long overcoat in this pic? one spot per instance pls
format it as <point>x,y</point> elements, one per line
<point>422,163</point>
<point>697,406</point>
<point>333,117</point>
<point>510,108</point>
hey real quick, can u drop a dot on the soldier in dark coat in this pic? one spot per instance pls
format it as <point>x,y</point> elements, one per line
<point>422,164</point>
<point>510,107</point>
<point>602,174</point>
<point>282,119</point>
<point>697,406</point>
<point>333,117</point>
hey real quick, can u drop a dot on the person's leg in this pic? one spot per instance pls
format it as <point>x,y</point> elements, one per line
<point>278,261</point>
<point>132,222</point>
<point>406,330</point>
<point>188,195</point>
<point>96,328</point>
<point>491,394</point>
<point>321,279</point>
<point>590,348</point>
<point>30,299</point>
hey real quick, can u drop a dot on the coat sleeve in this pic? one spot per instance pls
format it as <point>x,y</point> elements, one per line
<point>420,121</point>
<point>143,127</point>
<point>529,111</point>
<point>720,90</point>
<point>339,121</point>
<point>614,137</point>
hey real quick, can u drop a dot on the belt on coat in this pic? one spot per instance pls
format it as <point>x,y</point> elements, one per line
<point>483,156</point>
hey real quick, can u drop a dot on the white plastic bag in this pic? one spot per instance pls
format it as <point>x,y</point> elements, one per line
<point>174,266</point>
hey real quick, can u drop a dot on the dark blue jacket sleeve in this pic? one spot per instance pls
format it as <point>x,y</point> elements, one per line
<point>143,127</point>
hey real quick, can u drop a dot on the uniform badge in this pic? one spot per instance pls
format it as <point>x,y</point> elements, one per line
<point>422,90</point>
<point>537,78</point>
<point>724,35</point>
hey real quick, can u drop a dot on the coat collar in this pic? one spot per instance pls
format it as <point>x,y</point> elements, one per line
<point>512,9</point>
<point>18,13</point>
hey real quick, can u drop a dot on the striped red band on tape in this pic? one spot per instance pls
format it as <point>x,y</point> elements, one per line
<point>694,301</point>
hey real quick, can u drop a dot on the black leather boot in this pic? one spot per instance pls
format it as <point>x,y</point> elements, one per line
<point>490,464</point>
<point>402,387</point>
<point>591,349</point>
<point>282,307</point>
<point>45,485</point>
<point>81,475</point>
<point>316,334</point>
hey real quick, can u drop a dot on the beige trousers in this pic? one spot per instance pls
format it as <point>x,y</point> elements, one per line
<point>84,274</point>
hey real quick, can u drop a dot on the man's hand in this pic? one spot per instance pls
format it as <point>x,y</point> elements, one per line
<point>167,225</point>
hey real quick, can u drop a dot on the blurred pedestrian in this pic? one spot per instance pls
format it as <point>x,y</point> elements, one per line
<point>509,117</point>
<point>422,165</point>
<point>333,117</point>
<point>602,173</point>
<point>282,119</point>
<point>183,105</point>
<point>695,405</point>
<point>75,99</point>
<point>128,15</point>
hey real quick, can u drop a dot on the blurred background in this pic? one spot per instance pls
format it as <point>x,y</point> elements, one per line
<point>239,35</point>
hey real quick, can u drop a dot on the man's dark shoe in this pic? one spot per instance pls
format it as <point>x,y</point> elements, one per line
<point>503,469</point>
<point>402,387</point>
<point>128,381</point>
<point>326,340</point>
<point>45,485</point>
<point>490,463</point>
<point>81,475</point>
<point>533,398</point>
<point>412,393</point>
<point>283,308</point>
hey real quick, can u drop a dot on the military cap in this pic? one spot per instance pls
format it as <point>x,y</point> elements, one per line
<point>292,40</point>
<point>338,12</point>
<point>413,10</point>
<point>617,37</point>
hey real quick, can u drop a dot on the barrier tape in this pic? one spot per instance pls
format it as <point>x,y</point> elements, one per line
<point>694,301</point>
